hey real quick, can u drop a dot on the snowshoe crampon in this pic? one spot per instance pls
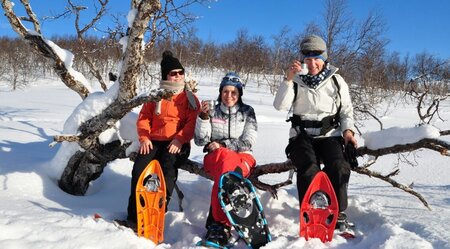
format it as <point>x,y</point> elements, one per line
<point>243,209</point>
<point>151,203</point>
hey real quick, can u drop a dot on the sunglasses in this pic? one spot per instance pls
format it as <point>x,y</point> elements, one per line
<point>233,79</point>
<point>312,53</point>
<point>175,73</point>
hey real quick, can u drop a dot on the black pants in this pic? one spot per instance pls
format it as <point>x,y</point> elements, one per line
<point>169,164</point>
<point>306,153</point>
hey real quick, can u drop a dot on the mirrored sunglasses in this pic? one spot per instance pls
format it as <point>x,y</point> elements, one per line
<point>175,73</point>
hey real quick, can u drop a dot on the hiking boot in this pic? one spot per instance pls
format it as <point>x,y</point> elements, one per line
<point>342,222</point>
<point>319,200</point>
<point>218,234</point>
<point>127,223</point>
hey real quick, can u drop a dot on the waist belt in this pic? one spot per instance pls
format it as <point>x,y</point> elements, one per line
<point>296,121</point>
<point>326,124</point>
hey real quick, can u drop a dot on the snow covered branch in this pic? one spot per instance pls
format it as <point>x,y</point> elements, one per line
<point>428,143</point>
<point>32,17</point>
<point>271,168</point>
<point>69,138</point>
<point>16,23</point>
<point>445,133</point>
<point>68,78</point>
<point>92,128</point>
<point>44,47</point>
<point>86,165</point>
<point>133,57</point>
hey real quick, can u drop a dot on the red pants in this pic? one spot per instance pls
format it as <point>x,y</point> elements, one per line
<point>218,162</point>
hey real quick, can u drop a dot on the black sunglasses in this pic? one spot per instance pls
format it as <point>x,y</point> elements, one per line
<point>175,73</point>
<point>312,53</point>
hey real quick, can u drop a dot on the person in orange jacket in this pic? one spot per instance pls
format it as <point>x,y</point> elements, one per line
<point>165,129</point>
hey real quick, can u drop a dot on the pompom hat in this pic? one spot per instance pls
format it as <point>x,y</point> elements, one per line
<point>169,63</point>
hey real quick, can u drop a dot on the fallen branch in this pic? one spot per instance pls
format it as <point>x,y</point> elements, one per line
<point>428,143</point>
<point>394,183</point>
<point>432,144</point>
<point>197,168</point>
<point>67,138</point>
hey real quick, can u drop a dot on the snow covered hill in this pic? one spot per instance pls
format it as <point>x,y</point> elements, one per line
<point>35,213</point>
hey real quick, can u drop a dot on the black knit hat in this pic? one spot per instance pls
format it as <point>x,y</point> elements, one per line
<point>169,63</point>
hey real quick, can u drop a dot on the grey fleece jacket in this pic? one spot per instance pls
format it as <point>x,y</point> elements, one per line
<point>235,127</point>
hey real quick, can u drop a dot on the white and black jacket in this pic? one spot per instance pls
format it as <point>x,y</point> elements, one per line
<point>235,127</point>
<point>316,104</point>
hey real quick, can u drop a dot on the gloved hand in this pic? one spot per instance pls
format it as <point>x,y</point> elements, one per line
<point>350,154</point>
<point>238,170</point>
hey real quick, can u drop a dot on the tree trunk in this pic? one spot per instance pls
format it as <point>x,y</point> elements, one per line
<point>84,167</point>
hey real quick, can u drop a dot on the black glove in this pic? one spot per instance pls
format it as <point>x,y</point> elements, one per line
<point>205,148</point>
<point>238,170</point>
<point>112,76</point>
<point>350,154</point>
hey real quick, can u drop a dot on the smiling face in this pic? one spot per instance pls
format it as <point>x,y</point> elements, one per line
<point>315,65</point>
<point>229,96</point>
<point>176,75</point>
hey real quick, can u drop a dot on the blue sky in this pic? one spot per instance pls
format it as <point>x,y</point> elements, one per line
<point>413,26</point>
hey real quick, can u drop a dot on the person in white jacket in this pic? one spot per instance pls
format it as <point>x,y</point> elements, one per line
<point>322,120</point>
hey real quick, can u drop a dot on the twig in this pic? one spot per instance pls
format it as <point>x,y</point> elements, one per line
<point>394,183</point>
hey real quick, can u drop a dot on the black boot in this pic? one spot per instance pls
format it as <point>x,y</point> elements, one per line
<point>218,234</point>
<point>342,222</point>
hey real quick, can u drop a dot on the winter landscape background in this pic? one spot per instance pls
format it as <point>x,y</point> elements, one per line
<point>35,213</point>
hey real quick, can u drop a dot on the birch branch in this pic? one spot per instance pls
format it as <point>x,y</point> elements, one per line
<point>41,46</point>
<point>432,144</point>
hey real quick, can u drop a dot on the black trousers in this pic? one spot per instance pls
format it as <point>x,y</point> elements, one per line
<point>169,164</point>
<point>306,153</point>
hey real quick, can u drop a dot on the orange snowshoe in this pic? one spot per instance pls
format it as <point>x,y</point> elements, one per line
<point>151,203</point>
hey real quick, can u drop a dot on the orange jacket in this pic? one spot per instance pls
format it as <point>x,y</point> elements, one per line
<point>176,120</point>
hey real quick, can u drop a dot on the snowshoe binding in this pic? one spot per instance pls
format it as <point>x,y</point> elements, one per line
<point>344,227</point>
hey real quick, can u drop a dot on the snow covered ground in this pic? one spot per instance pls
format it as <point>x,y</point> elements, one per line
<point>35,213</point>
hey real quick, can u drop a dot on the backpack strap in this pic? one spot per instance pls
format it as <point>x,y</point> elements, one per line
<point>295,86</point>
<point>330,121</point>
<point>337,115</point>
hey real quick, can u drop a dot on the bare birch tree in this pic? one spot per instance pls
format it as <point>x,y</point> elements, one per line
<point>152,20</point>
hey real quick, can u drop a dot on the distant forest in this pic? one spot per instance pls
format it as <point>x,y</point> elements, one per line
<point>358,49</point>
